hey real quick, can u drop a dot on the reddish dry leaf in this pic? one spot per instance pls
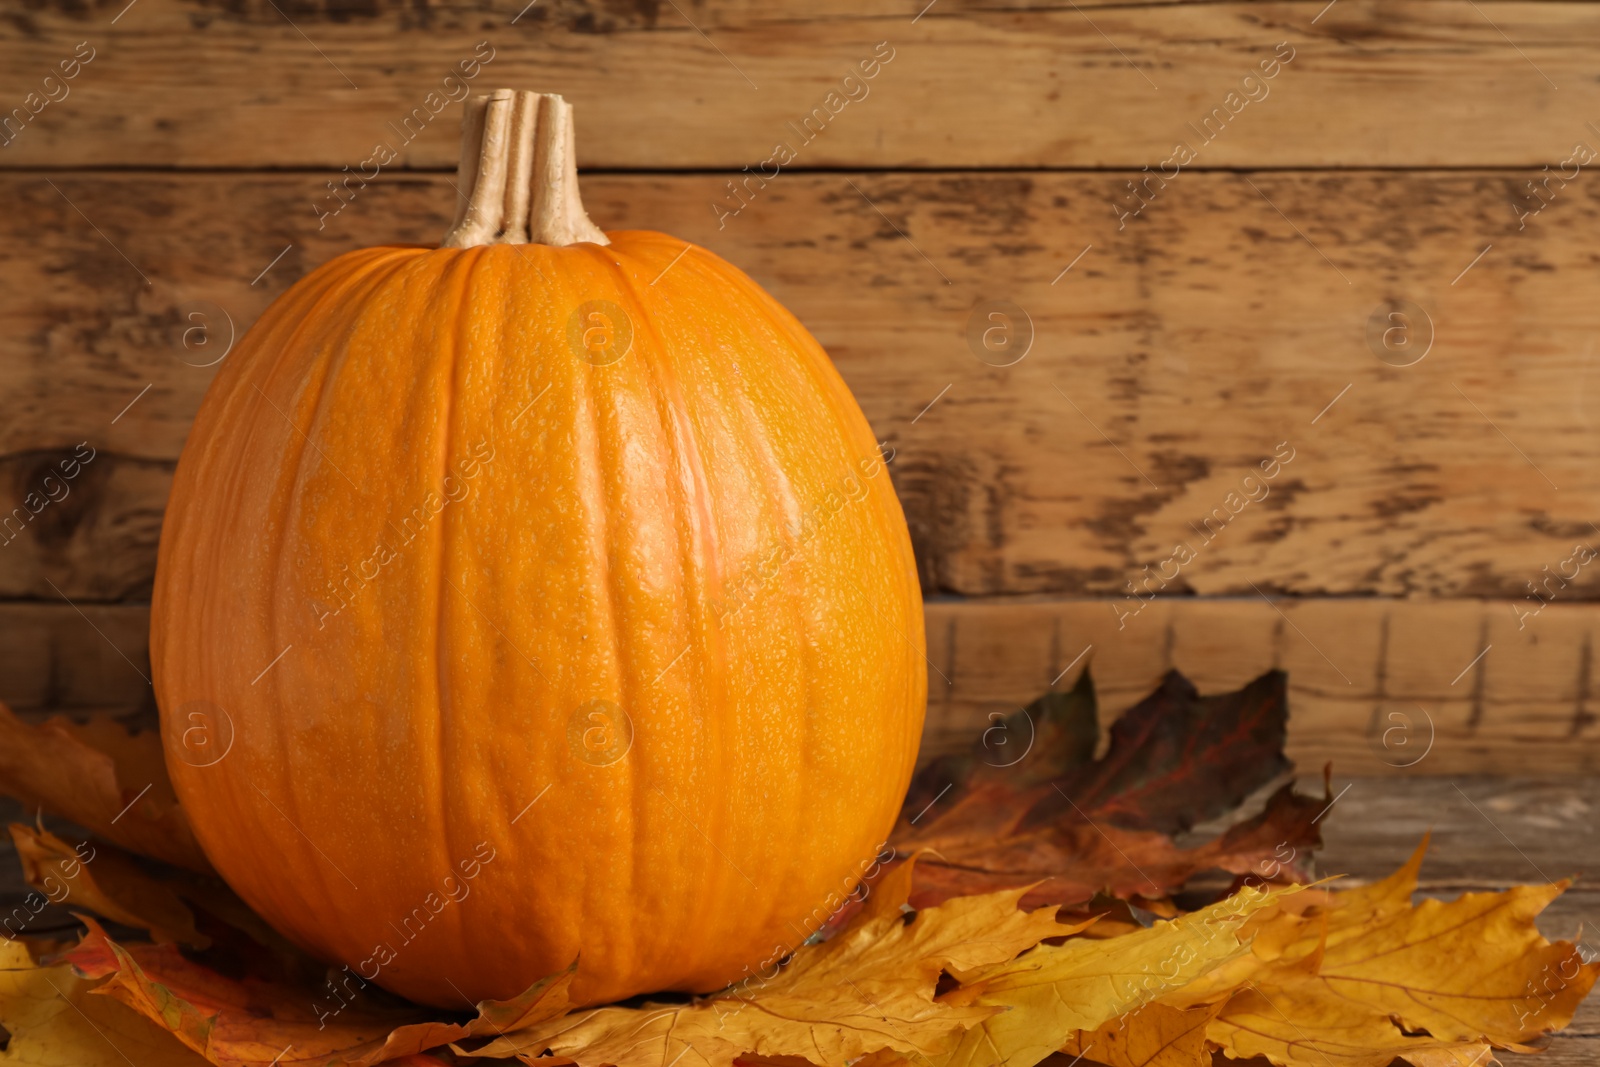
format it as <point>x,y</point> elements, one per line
<point>1092,858</point>
<point>174,905</point>
<point>994,820</point>
<point>104,779</point>
<point>1177,758</point>
<point>239,1022</point>
<point>249,1022</point>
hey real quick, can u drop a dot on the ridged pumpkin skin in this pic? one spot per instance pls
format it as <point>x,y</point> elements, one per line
<point>419,528</point>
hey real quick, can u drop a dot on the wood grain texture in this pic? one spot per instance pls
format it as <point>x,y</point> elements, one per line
<point>1376,686</point>
<point>714,84</point>
<point>83,661</point>
<point>1227,323</point>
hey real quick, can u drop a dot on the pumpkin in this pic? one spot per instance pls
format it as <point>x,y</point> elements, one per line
<point>540,598</point>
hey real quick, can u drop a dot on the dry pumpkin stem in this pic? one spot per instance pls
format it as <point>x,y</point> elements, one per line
<point>519,174</point>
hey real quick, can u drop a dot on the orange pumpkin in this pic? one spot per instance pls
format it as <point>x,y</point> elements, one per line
<point>538,598</point>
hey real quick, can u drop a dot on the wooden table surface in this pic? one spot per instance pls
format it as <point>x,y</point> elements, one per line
<point>1488,834</point>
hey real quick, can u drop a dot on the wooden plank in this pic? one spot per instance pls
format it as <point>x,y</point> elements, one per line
<point>1377,686</point>
<point>1176,356</point>
<point>95,531</point>
<point>1487,832</point>
<point>1401,83</point>
<point>80,660</point>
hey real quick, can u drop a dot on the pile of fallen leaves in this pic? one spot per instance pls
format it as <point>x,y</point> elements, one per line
<point>1041,906</point>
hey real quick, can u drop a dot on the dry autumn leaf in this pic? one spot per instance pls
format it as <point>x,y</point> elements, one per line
<point>1046,995</point>
<point>880,975</point>
<point>1050,814</point>
<point>54,1021</point>
<point>1468,971</point>
<point>1305,1022</point>
<point>236,1022</point>
<point>1364,977</point>
<point>139,892</point>
<point>101,777</point>
<point>869,989</point>
<point>105,881</point>
<point>248,1022</point>
<point>1162,1036</point>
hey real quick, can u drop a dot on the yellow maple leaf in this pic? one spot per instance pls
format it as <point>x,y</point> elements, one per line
<point>1302,1021</point>
<point>1156,1035</point>
<point>1360,977</point>
<point>1043,997</point>
<point>1280,932</point>
<point>869,989</point>
<point>1468,972</point>
<point>53,1021</point>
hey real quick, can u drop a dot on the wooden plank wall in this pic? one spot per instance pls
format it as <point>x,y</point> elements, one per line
<point>1369,275</point>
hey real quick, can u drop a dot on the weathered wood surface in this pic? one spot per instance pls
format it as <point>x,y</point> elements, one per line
<point>79,660</point>
<point>1173,359</point>
<point>1488,834</point>
<point>1375,686</point>
<point>714,84</point>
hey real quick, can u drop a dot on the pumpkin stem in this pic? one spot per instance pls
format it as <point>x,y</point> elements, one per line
<point>519,174</point>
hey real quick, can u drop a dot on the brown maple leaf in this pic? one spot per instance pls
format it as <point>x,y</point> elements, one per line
<point>1078,826</point>
<point>104,779</point>
<point>104,880</point>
